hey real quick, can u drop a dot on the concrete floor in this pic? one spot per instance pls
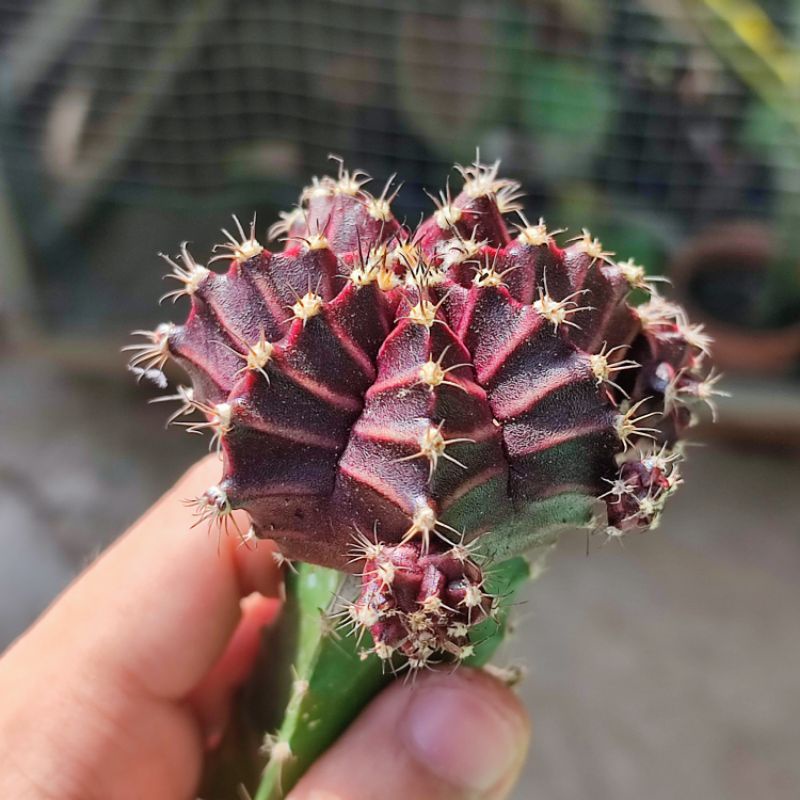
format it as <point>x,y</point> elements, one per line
<point>669,669</point>
<point>664,669</point>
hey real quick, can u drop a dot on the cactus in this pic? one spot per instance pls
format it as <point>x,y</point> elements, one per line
<point>412,406</point>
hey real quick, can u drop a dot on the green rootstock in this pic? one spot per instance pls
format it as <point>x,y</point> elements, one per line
<point>332,683</point>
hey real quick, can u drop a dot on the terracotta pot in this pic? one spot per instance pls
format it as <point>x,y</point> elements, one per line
<point>737,249</point>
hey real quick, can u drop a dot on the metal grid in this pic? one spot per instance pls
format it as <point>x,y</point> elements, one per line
<point>619,114</point>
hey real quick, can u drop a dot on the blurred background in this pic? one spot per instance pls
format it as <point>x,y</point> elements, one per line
<point>670,128</point>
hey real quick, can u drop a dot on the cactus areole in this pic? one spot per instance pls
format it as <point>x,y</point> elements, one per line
<point>411,405</point>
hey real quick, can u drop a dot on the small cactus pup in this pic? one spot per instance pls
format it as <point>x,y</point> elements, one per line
<point>423,410</point>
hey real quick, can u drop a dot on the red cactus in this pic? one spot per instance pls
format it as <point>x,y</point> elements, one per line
<point>419,601</point>
<point>427,388</point>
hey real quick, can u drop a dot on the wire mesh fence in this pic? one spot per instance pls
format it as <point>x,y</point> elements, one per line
<point>647,121</point>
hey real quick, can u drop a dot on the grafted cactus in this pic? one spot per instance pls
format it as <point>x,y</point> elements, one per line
<point>409,405</point>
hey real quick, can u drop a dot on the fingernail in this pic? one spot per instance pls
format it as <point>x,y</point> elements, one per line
<point>460,734</point>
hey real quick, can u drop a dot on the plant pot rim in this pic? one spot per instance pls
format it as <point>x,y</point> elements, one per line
<point>737,347</point>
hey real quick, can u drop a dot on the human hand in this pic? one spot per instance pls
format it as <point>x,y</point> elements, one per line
<point>126,682</point>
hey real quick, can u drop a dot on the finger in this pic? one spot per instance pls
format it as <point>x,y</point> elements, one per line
<point>156,611</point>
<point>212,698</point>
<point>443,737</point>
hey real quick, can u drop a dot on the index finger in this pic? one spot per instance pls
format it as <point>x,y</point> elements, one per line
<point>160,605</point>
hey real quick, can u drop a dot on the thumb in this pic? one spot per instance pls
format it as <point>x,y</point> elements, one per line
<point>444,736</point>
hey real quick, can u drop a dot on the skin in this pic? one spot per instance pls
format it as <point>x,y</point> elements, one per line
<point>123,685</point>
